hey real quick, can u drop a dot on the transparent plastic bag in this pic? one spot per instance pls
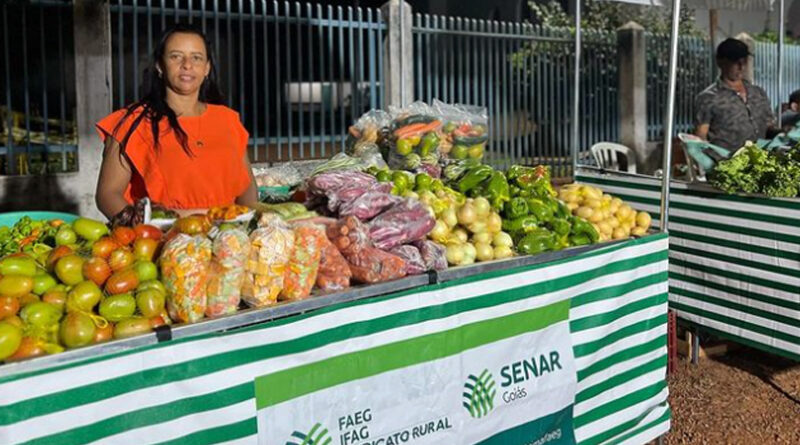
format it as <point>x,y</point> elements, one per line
<point>415,265</point>
<point>401,224</point>
<point>434,255</point>
<point>413,143</point>
<point>369,205</point>
<point>371,265</point>
<point>278,176</point>
<point>185,263</point>
<point>334,272</point>
<point>301,271</point>
<point>349,235</point>
<point>367,133</point>
<point>230,251</point>
<point>465,131</point>
<point>271,248</point>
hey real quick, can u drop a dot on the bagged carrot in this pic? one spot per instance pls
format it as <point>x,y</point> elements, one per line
<point>372,265</point>
<point>271,249</point>
<point>334,272</point>
<point>231,248</point>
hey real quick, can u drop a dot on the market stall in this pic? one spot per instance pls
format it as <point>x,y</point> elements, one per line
<point>733,258</point>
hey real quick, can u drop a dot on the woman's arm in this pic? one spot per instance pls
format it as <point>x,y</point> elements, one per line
<point>250,195</point>
<point>115,175</point>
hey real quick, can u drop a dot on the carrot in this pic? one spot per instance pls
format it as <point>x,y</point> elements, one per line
<point>416,129</point>
<point>401,132</point>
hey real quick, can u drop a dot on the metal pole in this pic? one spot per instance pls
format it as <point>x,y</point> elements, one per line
<point>402,53</point>
<point>673,68</point>
<point>576,90</point>
<point>781,35</point>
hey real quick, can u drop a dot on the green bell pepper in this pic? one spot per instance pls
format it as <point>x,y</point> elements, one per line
<point>561,227</point>
<point>579,240</point>
<point>522,225</point>
<point>498,190</point>
<point>515,208</point>
<point>534,243</point>
<point>582,227</point>
<point>539,208</point>
<point>535,179</point>
<point>474,177</point>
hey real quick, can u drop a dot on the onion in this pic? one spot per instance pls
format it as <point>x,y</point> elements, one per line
<point>584,212</point>
<point>461,235</point>
<point>619,233</point>
<point>440,232</point>
<point>643,220</point>
<point>449,217</point>
<point>469,251</point>
<point>501,252</point>
<point>478,227</point>
<point>482,207</point>
<point>495,223</point>
<point>502,239</point>
<point>466,214</point>
<point>482,237</point>
<point>484,252</point>
<point>454,253</point>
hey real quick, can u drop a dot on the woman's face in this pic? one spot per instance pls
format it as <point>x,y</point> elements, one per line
<point>185,63</point>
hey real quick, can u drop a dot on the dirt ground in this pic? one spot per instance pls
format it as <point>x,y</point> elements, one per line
<point>743,397</point>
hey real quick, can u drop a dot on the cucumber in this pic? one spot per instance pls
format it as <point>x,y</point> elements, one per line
<point>414,119</point>
<point>471,140</point>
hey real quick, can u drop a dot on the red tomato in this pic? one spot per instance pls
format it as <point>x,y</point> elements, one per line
<point>157,321</point>
<point>15,320</point>
<point>56,254</point>
<point>104,334</point>
<point>123,235</point>
<point>120,259</point>
<point>122,281</point>
<point>29,347</point>
<point>28,299</point>
<point>146,231</point>
<point>145,249</point>
<point>57,298</point>
<point>193,225</point>
<point>104,246</point>
<point>97,270</point>
<point>9,306</point>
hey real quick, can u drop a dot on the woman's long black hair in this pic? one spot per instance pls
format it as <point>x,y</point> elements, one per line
<point>154,93</point>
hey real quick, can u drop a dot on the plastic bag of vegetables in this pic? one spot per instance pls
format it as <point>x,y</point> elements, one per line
<point>432,253</point>
<point>465,132</point>
<point>301,271</point>
<point>334,272</point>
<point>185,263</point>
<point>367,133</point>
<point>403,223</point>
<point>349,235</point>
<point>413,143</point>
<point>371,265</point>
<point>230,251</point>
<point>271,248</point>
<point>414,263</point>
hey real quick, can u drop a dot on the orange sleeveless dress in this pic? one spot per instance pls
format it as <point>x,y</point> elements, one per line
<point>213,175</point>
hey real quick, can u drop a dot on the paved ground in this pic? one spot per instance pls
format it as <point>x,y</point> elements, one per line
<point>744,397</point>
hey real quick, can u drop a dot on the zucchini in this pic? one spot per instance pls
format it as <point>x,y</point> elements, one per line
<point>414,119</point>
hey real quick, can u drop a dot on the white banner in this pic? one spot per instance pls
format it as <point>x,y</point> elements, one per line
<point>519,390</point>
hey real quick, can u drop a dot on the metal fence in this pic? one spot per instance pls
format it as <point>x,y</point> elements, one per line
<point>298,74</point>
<point>766,70</point>
<point>37,121</point>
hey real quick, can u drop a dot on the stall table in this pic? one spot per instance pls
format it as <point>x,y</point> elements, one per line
<point>568,347</point>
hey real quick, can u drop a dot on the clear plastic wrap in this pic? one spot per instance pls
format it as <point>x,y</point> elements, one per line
<point>185,263</point>
<point>334,272</point>
<point>301,272</point>
<point>371,265</point>
<point>271,248</point>
<point>367,133</point>
<point>403,223</point>
<point>369,205</point>
<point>278,176</point>
<point>413,143</point>
<point>434,255</point>
<point>230,251</point>
<point>349,235</point>
<point>339,188</point>
<point>415,265</point>
<point>464,132</point>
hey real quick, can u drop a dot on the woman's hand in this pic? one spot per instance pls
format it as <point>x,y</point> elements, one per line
<point>250,195</point>
<point>115,175</point>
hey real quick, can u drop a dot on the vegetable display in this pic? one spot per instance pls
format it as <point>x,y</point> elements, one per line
<point>755,170</point>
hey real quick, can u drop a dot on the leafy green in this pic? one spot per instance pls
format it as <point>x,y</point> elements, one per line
<point>755,170</point>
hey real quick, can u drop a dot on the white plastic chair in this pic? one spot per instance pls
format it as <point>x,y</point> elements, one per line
<point>606,154</point>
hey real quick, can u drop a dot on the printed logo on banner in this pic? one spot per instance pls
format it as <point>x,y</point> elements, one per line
<point>479,393</point>
<point>313,437</point>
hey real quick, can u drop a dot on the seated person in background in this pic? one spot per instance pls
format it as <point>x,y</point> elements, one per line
<point>791,117</point>
<point>733,111</point>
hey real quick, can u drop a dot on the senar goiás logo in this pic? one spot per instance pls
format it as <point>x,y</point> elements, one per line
<point>479,393</point>
<point>316,436</point>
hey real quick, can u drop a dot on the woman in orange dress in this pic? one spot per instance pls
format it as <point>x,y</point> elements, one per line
<point>177,145</point>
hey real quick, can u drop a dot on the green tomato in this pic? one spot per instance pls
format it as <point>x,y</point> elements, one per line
<point>66,236</point>
<point>84,296</point>
<point>383,176</point>
<point>77,330</point>
<point>423,182</point>
<point>400,180</point>
<point>69,269</point>
<point>89,229</point>
<point>18,265</point>
<point>459,152</point>
<point>404,147</point>
<point>152,284</point>
<point>145,270</point>
<point>118,307</point>
<point>150,302</point>
<point>476,151</point>
<point>43,283</point>
<point>10,339</point>
<point>40,314</point>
